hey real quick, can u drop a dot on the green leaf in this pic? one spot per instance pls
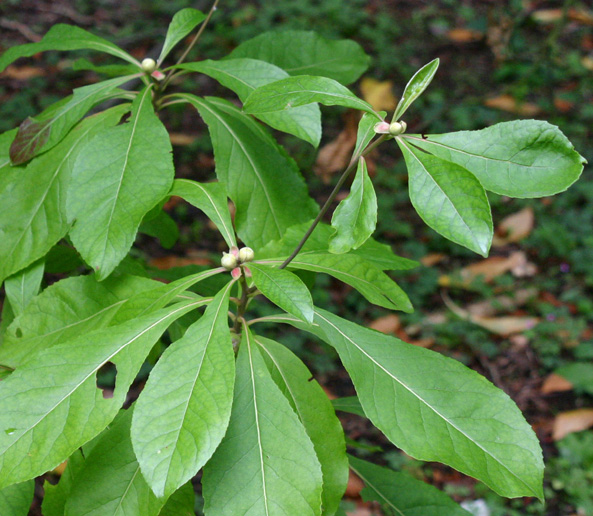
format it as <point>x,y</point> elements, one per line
<point>370,281</point>
<point>523,158</point>
<point>284,289</point>
<point>37,135</point>
<point>55,496</point>
<point>382,256</point>
<point>184,410</point>
<point>415,87</point>
<point>211,198</point>
<point>181,25</point>
<point>263,182</point>
<point>580,374</point>
<point>111,70</point>
<point>118,177</point>
<point>23,286</point>
<point>266,463</point>
<point>161,226</point>
<point>300,91</point>
<point>181,502</point>
<point>33,198</point>
<point>64,37</point>
<point>45,417</point>
<point>402,493</point>
<point>449,199</point>
<point>366,131</point>
<point>349,404</point>
<point>245,75</point>
<point>65,310</point>
<point>436,409</point>
<point>109,481</point>
<point>355,217</point>
<point>301,52</point>
<point>15,500</point>
<point>315,412</point>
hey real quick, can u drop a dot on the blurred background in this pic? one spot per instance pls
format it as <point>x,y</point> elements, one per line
<point>523,317</point>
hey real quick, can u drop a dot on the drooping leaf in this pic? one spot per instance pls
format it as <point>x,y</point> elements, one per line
<point>300,91</point>
<point>23,286</point>
<point>55,496</point>
<point>266,463</point>
<point>263,182</point>
<point>181,25</point>
<point>45,417</point>
<point>307,53</point>
<point>355,217</point>
<point>284,289</point>
<point>523,158</point>
<point>66,310</point>
<point>449,199</point>
<point>211,198</point>
<point>33,198</point>
<point>416,85</point>
<point>370,281</point>
<point>402,493</point>
<point>15,500</point>
<point>41,133</point>
<point>183,412</point>
<point>436,409</point>
<point>245,75</point>
<point>109,481</point>
<point>118,177</point>
<point>315,412</point>
<point>163,227</point>
<point>366,131</point>
<point>349,404</point>
<point>64,37</point>
<point>181,502</point>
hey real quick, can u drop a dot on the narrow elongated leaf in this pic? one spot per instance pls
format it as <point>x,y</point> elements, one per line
<point>66,310</point>
<point>15,500</point>
<point>33,198</point>
<point>64,37</point>
<point>349,404</point>
<point>183,412</point>
<point>45,417</point>
<point>523,158</point>
<point>118,177</point>
<point>315,412</point>
<point>436,409</point>
<point>266,463</point>
<point>355,217</point>
<point>55,496</point>
<point>181,25</point>
<point>415,87</point>
<point>39,134</point>
<point>366,131</point>
<point>370,281</point>
<point>245,75</point>
<point>110,70</point>
<point>264,183</point>
<point>302,52</point>
<point>23,286</point>
<point>402,493</point>
<point>300,91</point>
<point>110,482</point>
<point>449,199</point>
<point>284,289</point>
<point>181,502</point>
<point>211,198</point>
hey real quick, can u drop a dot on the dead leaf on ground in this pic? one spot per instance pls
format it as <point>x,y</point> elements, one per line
<point>182,138</point>
<point>23,73</point>
<point>335,156</point>
<point>555,383</point>
<point>489,307</point>
<point>514,228</point>
<point>510,104</point>
<point>587,62</point>
<point>432,259</point>
<point>378,94</point>
<point>463,35</point>
<point>168,262</point>
<point>572,421</point>
<point>582,16</point>
<point>355,485</point>
<point>388,324</point>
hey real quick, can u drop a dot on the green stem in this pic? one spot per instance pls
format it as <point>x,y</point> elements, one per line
<point>242,304</point>
<point>332,196</point>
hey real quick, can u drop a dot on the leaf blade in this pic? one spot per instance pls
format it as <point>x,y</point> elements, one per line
<point>181,25</point>
<point>416,85</point>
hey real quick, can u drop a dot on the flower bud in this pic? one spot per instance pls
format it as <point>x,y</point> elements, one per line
<point>246,254</point>
<point>396,128</point>
<point>148,65</point>
<point>228,261</point>
<point>236,273</point>
<point>381,128</point>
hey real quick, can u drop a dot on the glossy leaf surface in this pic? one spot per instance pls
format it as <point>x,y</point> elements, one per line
<point>16,499</point>
<point>23,286</point>
<point>416,85</point>
<point>181,25</point>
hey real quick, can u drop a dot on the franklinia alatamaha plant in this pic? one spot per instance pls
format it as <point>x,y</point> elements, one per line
<point>222,398</point>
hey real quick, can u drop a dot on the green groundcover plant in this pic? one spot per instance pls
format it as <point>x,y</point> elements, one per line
<point>222,399</point>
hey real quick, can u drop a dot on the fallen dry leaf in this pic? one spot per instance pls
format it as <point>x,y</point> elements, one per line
<point>23,73</point>
<point>168,262</point>
<point>555,15</point>
<point>432,259</point>
<point>388,324</point>
<point>555,383</point>
<point>355,486</point>
<point>572,421</point>
<point>182,138</point>
<point>378,94</point>
<point>514,228</point>
<point>335,156</point>
<point>462,35</point>
<point>489,307</point>
<point>587,62</point>
<point>510,104</point>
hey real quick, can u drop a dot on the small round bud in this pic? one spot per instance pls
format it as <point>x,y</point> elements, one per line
<point>228,261</point>
<point>396,128</point>
<point>381,128</point>
<point>236,273</point>
<point>404,126</point>
<point>148,65</point>
<point>246,254</point>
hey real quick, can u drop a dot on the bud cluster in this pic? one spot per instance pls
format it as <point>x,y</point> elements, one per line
<point>236,257</point>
